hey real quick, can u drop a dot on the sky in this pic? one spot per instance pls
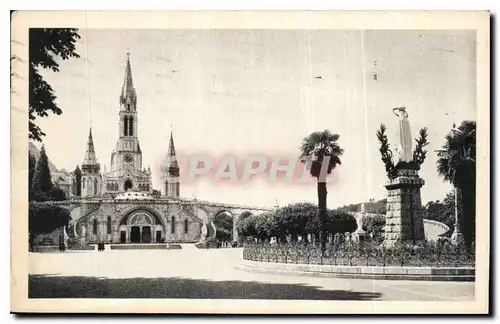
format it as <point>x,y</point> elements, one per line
<point>247,92</point>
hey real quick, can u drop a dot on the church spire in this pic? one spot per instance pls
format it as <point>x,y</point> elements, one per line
<point>172,157</point>
<point>171,146</point>
<point>90,157</point>
<point>128,96</point>
<point>172,179</point>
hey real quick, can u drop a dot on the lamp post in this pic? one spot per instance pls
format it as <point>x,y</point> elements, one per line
<point>457,236</point>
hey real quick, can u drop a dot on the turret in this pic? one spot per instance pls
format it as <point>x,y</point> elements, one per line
<point>172,181</point>
<point>91,176</point>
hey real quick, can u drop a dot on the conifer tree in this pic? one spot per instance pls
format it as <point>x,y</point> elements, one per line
<point>31,173</point>
<point>42,182</point>
<point>78,178</point>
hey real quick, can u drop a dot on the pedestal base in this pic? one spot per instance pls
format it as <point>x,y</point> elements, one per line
<point>404,215</point>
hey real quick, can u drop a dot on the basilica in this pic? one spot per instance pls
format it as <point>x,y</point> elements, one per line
<point>126,172</point>
<point>127,211</point>
<point>121,207</point>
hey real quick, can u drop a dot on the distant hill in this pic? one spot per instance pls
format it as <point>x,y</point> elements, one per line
<point>36,153</point>
<point>373,207</point>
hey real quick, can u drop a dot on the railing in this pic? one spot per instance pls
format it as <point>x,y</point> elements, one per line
<point>157,200</point>
<point>362,254</point>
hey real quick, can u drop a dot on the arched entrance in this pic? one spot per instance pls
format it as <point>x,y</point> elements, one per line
<point>128,184</point>
<point>141,227</point>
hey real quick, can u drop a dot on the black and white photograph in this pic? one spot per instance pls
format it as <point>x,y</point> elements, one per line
<point>215,160</point>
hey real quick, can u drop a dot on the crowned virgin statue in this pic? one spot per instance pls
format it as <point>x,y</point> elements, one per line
<point>404,134</point>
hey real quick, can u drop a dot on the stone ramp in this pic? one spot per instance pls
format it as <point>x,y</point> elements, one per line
<point>433,229</point>
<point>188,246</point>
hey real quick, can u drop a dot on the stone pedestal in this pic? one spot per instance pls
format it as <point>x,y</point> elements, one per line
<point>359,234</point>
<point>404,215</point>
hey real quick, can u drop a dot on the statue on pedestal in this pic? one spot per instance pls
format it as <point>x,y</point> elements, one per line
<point>404,213</point>
<point>404,134</point>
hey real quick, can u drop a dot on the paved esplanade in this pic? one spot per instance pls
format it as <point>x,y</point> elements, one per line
<point>214,274</point>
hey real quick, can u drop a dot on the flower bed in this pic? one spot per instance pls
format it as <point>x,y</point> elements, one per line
<point>362,254</point>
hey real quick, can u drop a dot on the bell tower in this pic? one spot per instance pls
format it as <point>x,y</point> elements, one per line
<point>128,153</point>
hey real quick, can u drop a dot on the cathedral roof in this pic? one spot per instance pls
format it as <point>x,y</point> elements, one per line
<point>90,157</point>
<point>128,90</point>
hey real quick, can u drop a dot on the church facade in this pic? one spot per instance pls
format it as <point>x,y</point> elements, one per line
<point>119,205</point>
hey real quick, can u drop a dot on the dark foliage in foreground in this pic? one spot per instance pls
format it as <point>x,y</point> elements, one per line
<point>47,48</point>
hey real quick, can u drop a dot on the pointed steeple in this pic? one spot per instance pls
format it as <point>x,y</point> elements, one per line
<point>128,96</point>
<point>172,185</point>
<point>90,157</point>
<point>172,157</point>
<point>171,146</point>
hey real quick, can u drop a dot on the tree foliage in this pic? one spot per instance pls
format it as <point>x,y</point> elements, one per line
<point>46,46</point>
<point>42,182</point>
<point>457,164</point>
<point>293,221</point>
<point>419,153</point>
<point>44,219</point>
<point>41,186</point>
<point>319,147</point>
<point>386,152</point>
<point>322,152</point>
<point>443,211</point>
<point>31,174</point>
<point>56,194</point>
<point>223,226</point>
<point>78,181</point>
<point>374,226</point>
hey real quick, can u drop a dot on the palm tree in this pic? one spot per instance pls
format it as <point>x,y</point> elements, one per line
<point>322,152</point>
<point>457,164</point>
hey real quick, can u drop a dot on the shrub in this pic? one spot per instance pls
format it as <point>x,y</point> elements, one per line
<point>301,219</point>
